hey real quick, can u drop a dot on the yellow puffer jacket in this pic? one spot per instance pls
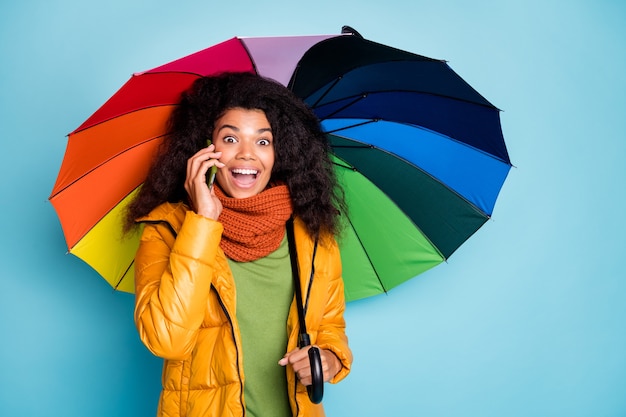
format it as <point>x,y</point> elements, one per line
<point>185,313</point>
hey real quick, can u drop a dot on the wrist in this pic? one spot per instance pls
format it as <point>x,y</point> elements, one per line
<point>334,363</point>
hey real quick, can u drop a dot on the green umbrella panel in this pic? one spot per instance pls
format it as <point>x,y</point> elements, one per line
<point>381,247</point>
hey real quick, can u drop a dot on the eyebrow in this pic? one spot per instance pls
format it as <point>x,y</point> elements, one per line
<point>236,129</point>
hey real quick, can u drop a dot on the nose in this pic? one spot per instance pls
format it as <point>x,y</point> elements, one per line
<point>246,150</point>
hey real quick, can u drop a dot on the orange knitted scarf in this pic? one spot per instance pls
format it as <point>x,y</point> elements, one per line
<point>254,226</point>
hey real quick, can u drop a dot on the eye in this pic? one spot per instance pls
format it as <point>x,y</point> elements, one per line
<point>264,142</point>
<point>229,139</point>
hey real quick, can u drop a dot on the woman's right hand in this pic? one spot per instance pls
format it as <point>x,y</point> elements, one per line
<point>203,200</point>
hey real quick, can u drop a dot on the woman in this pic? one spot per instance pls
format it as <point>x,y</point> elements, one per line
<point>213,279</point>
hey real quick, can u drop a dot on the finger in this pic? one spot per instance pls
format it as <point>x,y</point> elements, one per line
<point>203,159</point>
<point>305,377</point>
<point>198,166</point>
<point>302,369</point>
<point>285,359</point>
<point>298,355</point>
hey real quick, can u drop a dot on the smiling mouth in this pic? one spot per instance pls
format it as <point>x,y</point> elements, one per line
<point>244,176</point>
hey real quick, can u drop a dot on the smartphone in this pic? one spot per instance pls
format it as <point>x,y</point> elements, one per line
<point>210,176</point>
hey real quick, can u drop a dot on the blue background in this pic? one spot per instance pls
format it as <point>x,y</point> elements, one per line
<point>526,319</point>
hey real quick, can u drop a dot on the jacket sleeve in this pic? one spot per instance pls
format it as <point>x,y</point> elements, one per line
<point>332,331</point>
<point>172,284</point>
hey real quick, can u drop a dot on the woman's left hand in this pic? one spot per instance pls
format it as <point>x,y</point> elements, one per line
<point>299,360</point>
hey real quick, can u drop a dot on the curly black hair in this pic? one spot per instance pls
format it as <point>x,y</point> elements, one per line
<point>302,150</point>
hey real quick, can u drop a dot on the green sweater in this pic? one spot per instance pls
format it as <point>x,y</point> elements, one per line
<point>264,295</point>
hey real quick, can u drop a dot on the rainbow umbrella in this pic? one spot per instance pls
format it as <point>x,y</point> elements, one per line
<point>419,152</point>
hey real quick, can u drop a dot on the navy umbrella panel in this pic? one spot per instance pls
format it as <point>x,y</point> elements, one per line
<point>357,78</point>
<point>414,128</point>
<point>473,124</point>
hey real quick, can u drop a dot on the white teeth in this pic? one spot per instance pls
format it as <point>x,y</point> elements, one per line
<point>245,171</point>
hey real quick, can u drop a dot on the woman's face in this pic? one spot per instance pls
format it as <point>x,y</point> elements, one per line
<point>245,139</point>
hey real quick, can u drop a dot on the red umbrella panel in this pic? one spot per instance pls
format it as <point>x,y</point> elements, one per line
<point>111,151</point>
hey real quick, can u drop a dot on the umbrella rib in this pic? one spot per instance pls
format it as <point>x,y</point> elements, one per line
<point>339,110</point>
<point>103,163</point>
<point>370,146</point>
<point>119,281</point>
<point>327,90</point>
<point>444,136</point>
<point>346,166</point>
<point>115,116</point>
<point>428,93</point>
<point>366,122</point>
<point>367,254</point>
<point>443,257</point>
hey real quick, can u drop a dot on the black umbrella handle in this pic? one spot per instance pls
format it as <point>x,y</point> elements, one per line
<point>316,389</point>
